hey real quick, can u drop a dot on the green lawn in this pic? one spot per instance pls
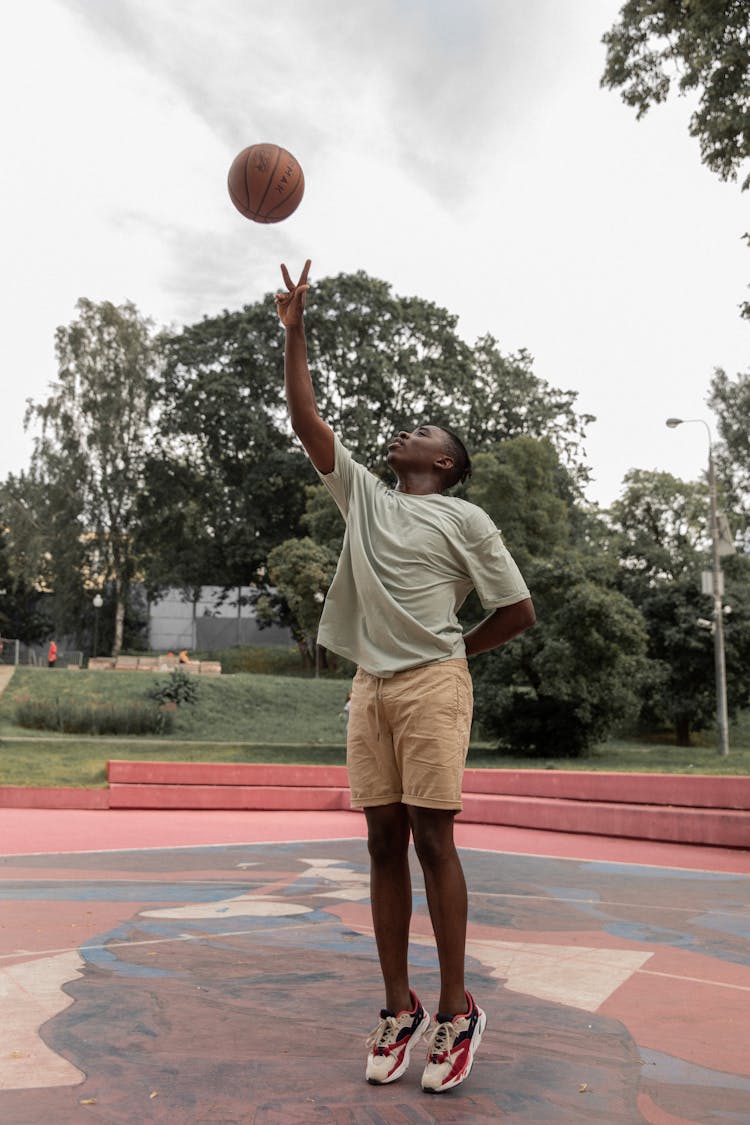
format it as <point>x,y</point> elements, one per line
<point>258,718</point>
<point>238,708</point>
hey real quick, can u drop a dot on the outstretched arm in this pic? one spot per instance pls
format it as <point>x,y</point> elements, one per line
<point>312,431</point>
<point>500,627</point>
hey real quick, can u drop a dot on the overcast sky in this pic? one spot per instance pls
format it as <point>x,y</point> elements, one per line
<point>462,150</point>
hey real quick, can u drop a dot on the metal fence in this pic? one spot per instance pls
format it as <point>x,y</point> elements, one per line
<point>14,651</point>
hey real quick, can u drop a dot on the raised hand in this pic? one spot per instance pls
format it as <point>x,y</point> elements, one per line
<point>291,305</point>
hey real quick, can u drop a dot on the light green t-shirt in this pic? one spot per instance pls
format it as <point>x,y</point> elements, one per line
<point>406,567</point>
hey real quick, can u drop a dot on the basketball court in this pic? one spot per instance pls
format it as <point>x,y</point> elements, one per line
<point>188,968</point>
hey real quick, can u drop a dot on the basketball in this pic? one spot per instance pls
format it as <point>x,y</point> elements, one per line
<point>265,183</point>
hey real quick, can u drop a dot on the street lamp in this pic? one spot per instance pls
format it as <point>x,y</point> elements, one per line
<point>98,603</point>
<point>722,718</point>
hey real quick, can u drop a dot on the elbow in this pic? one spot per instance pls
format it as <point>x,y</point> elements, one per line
<point>528,615</point>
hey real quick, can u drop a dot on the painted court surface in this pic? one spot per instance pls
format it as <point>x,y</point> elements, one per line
<point>220,967</point>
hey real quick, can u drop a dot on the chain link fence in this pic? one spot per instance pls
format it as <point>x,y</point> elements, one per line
<point>14,651</point>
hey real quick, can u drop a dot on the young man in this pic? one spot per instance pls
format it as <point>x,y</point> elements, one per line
<point>410,557</point>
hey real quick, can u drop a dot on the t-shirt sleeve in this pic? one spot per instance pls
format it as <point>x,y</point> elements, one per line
<point>490,566</point>
<point>340,482</point>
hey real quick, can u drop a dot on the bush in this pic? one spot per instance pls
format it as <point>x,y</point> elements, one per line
<point>180,688</point>
<point>264,660</point>
<point>274,660</point>
<point>70,716</point>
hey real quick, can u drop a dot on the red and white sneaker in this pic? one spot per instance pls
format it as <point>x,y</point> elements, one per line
<point>451,1046</point>
<point>391,1042</point>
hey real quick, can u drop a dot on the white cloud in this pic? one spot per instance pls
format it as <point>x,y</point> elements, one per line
<point>463,152</point>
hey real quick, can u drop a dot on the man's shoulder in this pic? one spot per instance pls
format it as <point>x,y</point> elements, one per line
<point>470,515</point>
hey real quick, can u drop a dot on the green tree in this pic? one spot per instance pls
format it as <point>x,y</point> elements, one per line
<point>91,452</point>
<point>564,685</point>
<point>730,401</point>
<point>703,46</point>
<point>22,610</point>
<point>523,487</point>
<point>224,484</point>
<point>322,519</point>
<point>507,400</point>
<point>301,571</point>
<point>381,363</point>
<point>227,482</point>
<point>661,537</point>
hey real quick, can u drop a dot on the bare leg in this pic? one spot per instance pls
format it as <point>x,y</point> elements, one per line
<point>446,898</point>
<point>390,894</point>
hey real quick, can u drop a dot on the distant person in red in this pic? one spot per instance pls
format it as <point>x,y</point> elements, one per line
<point>52,655</point>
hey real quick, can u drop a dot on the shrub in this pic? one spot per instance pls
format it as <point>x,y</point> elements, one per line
<point>180,688</point>
<point>71,716</point>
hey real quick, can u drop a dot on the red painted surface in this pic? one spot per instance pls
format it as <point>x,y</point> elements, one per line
<point>721,827</point>
<point>224,773</point>
<point>227,797</point>
<point>694,790</point>
<point>24,831</point>
<point>490,797</point>
<point>28,797</point>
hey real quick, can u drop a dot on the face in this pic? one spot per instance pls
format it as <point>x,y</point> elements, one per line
<point>416,450</point>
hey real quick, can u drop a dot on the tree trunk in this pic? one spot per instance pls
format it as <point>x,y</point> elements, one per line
<point>682,732</point>
<point>119,621</point>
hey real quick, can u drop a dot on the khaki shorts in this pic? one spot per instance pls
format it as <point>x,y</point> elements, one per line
<point>408,736</point>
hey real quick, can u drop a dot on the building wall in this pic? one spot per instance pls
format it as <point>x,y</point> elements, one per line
<point>216,621</point>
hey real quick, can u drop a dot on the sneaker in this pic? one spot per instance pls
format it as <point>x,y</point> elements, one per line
<point>391,1042</point>
<point>451,1046</point>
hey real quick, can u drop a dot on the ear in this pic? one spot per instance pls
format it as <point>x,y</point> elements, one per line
<point>444,462</point>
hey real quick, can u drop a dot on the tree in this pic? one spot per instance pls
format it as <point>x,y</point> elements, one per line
<point>91,453</point>
<point>507,400</point>
<point>22,612</point>
<point>730,401</point>
<point>662,539</point>
<point>661,524</point>
<point>224,484</point>
<point>301,571</point>
<point>227,481</point>
<point>705,45</point>
<point>562,686</point>
<point>381,363</point>
<point>322,519</point>
<point>523,487</point>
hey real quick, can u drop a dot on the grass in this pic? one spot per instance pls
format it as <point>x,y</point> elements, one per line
<point>240,708</point>
<point>263,718</point>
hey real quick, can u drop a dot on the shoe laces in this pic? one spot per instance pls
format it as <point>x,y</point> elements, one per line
<point>384,1035</point>
<point>440,1039</point>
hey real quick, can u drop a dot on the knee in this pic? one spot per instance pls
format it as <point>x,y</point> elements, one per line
<point>433,844</point>
<point>388,840</point>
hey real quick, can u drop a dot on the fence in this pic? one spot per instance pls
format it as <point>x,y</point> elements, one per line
<point>14,651</point>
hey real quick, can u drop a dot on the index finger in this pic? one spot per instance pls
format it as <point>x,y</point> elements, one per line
<point>287,279</point>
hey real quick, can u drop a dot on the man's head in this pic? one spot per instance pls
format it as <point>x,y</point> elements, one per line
<point>430,451</point>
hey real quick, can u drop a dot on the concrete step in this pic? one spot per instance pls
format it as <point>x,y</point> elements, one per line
<point>293,798</point>
<point>694,791</point>
<point>729,828</point>
<point>223,773</point>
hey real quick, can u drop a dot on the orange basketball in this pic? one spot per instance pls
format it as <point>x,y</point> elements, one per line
<point>265,183</point>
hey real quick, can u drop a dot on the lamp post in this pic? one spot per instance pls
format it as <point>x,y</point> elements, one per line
<point>722,717</point>
<point>98,603</point>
